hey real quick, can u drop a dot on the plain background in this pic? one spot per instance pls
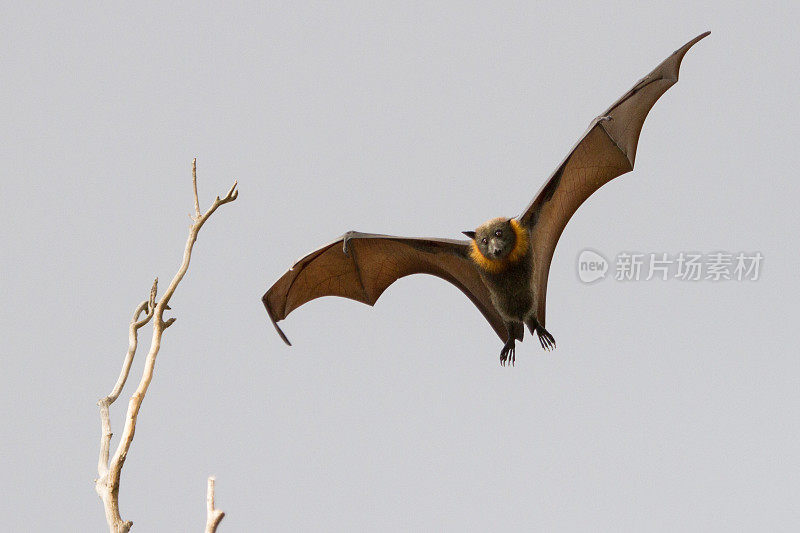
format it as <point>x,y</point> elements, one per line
<point>667,406</point>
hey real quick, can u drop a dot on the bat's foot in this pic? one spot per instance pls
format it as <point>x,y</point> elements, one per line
<point>545,339</point>
<point>507,353</point>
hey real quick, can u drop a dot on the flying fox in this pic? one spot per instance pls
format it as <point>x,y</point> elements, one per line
<point>503,267</point>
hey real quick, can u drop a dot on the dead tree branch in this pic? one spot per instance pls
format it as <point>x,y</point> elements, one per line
<point>109,471</point>
<point>213,515</point>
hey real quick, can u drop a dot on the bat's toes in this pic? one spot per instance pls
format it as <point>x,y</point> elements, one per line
<point>546,340</point>
<point>507,354</point>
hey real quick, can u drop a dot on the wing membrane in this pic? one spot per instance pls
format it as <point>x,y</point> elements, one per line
<point>605,151</point>
<point>361,266</point>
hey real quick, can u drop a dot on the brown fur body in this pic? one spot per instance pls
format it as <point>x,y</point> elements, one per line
<point>511,289</point>
<point>501,250</point>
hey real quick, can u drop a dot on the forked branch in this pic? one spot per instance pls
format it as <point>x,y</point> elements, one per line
<point>110,470</point>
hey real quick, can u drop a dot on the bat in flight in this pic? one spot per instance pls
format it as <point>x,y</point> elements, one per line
<point>504,265</point>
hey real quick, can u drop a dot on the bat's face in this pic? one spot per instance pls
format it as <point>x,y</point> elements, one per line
<point>495,239</point>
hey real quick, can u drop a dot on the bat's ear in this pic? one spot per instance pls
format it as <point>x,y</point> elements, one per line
<point>470,234</point>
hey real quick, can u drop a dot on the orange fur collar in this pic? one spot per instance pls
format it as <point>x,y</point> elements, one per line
<point>496,266</point>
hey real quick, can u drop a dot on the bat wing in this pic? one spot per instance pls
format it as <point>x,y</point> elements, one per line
<point>361,266</point>
<point>605,151</point>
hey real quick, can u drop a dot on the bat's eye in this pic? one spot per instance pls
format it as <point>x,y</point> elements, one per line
<point>484,240</point>
<point>498,233</point>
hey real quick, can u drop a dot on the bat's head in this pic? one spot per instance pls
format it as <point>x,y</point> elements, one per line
<point>498,241</point>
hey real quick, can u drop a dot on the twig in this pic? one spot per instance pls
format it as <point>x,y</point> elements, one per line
<point>109,472</point>
<point>194,187</point>
<point>213,515</point>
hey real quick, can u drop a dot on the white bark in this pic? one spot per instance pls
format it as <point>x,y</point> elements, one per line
<point>109,471</point>
<point>213,515</point>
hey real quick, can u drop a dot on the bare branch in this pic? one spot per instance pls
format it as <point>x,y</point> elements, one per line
<point>107,485</point>
<point>151,304</point>
<point>194,188</point>
<point>213,515</point>
<point>105,403</point>
<point>109,498</point>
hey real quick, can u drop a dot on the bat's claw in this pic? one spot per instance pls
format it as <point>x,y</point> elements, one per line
<point>507,354</point>
<point>545,339</point>
<point>346,239</point>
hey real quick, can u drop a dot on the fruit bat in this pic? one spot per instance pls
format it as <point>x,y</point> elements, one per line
<point>504,265</point>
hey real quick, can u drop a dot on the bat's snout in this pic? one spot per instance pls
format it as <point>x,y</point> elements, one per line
<point>496,248</point>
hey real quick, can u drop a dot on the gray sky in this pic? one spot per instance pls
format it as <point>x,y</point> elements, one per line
<point>667,405</point>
